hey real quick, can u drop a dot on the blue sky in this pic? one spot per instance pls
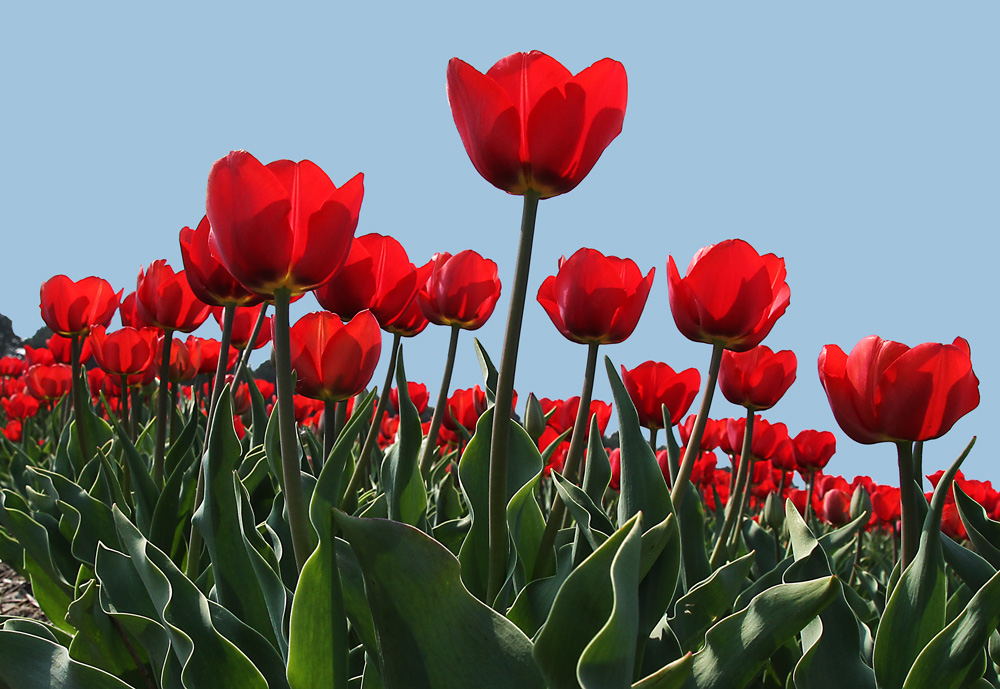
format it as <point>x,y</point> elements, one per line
<point>857,140</point>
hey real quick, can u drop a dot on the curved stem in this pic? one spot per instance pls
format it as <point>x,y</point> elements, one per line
<point>909,528</point>
<point>298,522</point>
<point>364,459</point>
<point>693,448</point>
<point>162,409</point>
<point>573,455</point>
<point>442,402</point>
<point>734,508</point>
<point>499,437</point>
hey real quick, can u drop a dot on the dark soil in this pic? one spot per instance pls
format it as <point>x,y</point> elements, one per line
<point>15,596</point>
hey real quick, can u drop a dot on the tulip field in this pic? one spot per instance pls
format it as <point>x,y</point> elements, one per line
<point>185,522</point>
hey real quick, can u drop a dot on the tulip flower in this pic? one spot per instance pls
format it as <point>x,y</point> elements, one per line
<point>165,299</point>
<point>20,406</point>
<point>461,290</point>
<point>410,323</point>
<point>129,313</point>
<point>62,348</point>
<point>595,298</point>
<point>208,278</point>
<point>886,391</point>
<point>11,366</point>
<point>813,450</point>
<point>652,384</point>
<point>71,308</point>
<point>530,124</point>
<point>334,360</point>
<point>757,378</point>
<point>244,320</point>
<point>418,395</point>
<point>124,352</point>
<point>49,382</point>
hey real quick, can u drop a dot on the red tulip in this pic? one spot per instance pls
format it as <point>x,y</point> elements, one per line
<point>334,360</point>
<point>730,295</point>
<point>20,406</point>
<point>410,323</point>
<point>529,124</point>
<point>280,226</point>
<point>129,313</point>
<point>377,276</point>
<point>126,351</point>
<point>209,351</point>
<point>652,384</point>
<point>418,395</point>
<point>715,429</point>
<point>38,357</point>
<point>756,378</point>
<point>11,367</point>
<point>836,507</point>
<point>164,299</point>
<point>60,347</point>
<point>244,319</point>
<point>184,360</point>
<point>13,431</point>
<point>71,308</point>
<point>766,437</point>
<point>461,290</point>
<point>464,408</point>
<point>49,382</point>
<point>208,278</point>
<point>813,450</point>
<point>885,391</point>
<point>595,298</point>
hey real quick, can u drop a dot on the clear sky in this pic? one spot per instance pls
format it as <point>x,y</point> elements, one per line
<point>858,140</point>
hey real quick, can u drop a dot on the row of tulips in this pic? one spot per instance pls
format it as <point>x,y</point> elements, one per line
<point>213,542</point>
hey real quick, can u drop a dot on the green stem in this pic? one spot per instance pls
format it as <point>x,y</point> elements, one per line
<point>298,522</point>
<point>809,498</point>
<point>577,442</point>
<point>364,459</point>
<point>245,357</point>
<point>693,448</point>
<point>427,458</point>
<point>220,370</point>
<point>79,399</point>
<point>918,464</point>
<point>123,400</point>
<point>734,508</point>
<point>162,409</point>
<point>652,439</point>
<point>909,528</point>
<point>499,438</point>
<point>329,433</point>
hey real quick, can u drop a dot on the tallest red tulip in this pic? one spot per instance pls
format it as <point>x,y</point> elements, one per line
<point>529,124</point>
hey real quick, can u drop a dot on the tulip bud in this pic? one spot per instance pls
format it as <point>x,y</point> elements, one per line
<point>534,417</point>
<point>773,515</point>
<point>860,502</point>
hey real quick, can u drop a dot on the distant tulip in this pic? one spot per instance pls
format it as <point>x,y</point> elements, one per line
<point>756,378</point>
<point>71,308</point>
<point>334,360</point>
<point>49,382</point>
<point>244,319</point>
<point>813,450</point>
<point>461,290</point>
<point>730,295</point>
<point>126,351</point>
<point>11,366</point>
<point>529,124</point>
<point>595,298</point>
<point>20,406</point>
<point>164,299</point>
<point>652,384</point>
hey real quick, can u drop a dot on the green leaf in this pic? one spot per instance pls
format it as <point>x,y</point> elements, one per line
<point>946,661</point>
<point>523,465</point>
<point>525,524</point>
<point>89,519</point>
<point>708,601</point>
<point>145,490</point>
<point>534,602</point>
<point>219,521</point>
<point>258,411</point>
<point>670,676</point>
<point>31,662</point>
<point>318,640</point>
<point>400,477</point>
<point>915,612</point>
<point>490,374</point>
<point>983,531</point>
<point>432,633</point>
<point>589,639</point>
<point>597,470</point>
<point>692,527</point>
<point>738,646</point>
<point>590,519</point>
<point>970,567</point>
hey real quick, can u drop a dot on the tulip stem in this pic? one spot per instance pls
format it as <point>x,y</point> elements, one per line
<point>364,459</point>
<point>123,400</point>
<point>918,464</point>
<point>652,439</point>
<point>909,529</point>
<point>430,446</point>
<point>298,522</point>
<point>499,438</point>
<point>809,497</point>
<point>162,409</point>
<point>228,314</point>
<point>330,433</point>
<point>79,398</point>
<point>573,456</point>
<point>693,448</point>
<point>734,508</point>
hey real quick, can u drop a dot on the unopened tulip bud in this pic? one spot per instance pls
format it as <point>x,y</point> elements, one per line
<point>861,502</point>
<point>534,417</point>
<point>773,515</point>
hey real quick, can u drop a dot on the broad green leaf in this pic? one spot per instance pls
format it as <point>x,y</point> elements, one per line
<point>590,519</point>
<point>983,531</point>
<point>972,568</point>
<point>204,636</point>
<point>670,676</point>
<point>258,412</point>
<point>89,520</point>
<point>525,524</point>
<point>707,602</point>
<point>490,374</point>
<point>400,477</point>
<point>31,662</point>
<point>692,529</point>
<point>737,647</point>
<point>534,602</point>
<point>96,641</point>
<point>523,464</point>
<point>318,641</point>
<point>588,640</point>
<point>915,612</point>
<point>597,470</point>
<point>432,633</point>
<point>173,508</point>
<point>946,661</point>
<point>219,521</point>
<point>145,490</point>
